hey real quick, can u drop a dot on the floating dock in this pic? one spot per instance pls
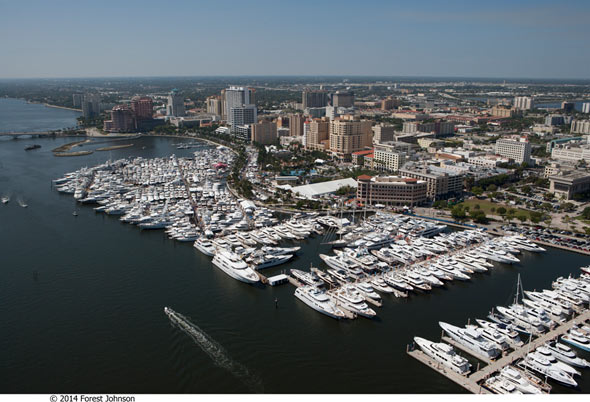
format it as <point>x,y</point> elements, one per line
<point>278,280</point>
<point>473,382</point>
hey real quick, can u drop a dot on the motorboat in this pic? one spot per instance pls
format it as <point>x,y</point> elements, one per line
<point>308,278</point>
<point>511,336</point>
<point>472,339</point>
<point>444,354</point>
<point>234,266</point>
<point>205,247</point>
<point>522,383</point>
<point>500,385</point>
<point>578,339</point>
<point>544,367</point>
<point>319,301</point>
<point>351,300</point>
<point>566,354</point>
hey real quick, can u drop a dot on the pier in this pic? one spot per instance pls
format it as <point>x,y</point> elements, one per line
<point>472,382</point>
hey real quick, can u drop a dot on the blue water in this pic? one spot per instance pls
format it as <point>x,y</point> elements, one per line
<point>16,115</point>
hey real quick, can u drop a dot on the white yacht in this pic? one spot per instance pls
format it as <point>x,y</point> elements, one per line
<point>472,339</point>
<point>397,282</point>
<point>518,314</point>
<point>500,385</point>
<point>414,280</point>
<point>268,260</point>
<point>524,244</point>
<point>511,336</point>
<point>380,285</point>
<point>205,247</point>
<point>444,354</point>
<point>566,355</point>
<point>578,339</point>
<point>234,266</point>
<point>308,278</point>
<point>546,353</point>
<point>544,367</point>
<point>550,298</point>
<point>319,301</point>
<point>344,263</point>
<point>556,313</point>
<point>522,383</point>
<point>493,336</point>
<point>367,290</point>
<point>350,299</point>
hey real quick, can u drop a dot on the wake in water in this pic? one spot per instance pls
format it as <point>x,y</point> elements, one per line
<point>214,350</point>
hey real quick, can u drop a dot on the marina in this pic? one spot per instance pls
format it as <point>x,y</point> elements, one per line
<point>147,262</point>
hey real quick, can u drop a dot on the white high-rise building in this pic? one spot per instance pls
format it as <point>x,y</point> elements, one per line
<point>517,149</point>
<point>242,115</point>
<point>586,107</point>
<point>175,105</point>
<point>238,97</point>
<point>524,103</point>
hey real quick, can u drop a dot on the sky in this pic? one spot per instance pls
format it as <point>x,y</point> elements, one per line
<point>446,38</point>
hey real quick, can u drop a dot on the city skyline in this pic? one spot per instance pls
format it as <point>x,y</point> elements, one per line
<point>533,39</point>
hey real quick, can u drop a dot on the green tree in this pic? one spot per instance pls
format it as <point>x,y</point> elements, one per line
<point>527,190</point>
<point>477,190</point>
<point>477,206</point>
<point>522,217</point>
<point>478,216</point>
<point>501,211</point>
<point>492,187</point>
<point>458,213</point>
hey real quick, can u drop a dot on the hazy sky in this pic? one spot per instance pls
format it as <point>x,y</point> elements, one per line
<point>503,38</point>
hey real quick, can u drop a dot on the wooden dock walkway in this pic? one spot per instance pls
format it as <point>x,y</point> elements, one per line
<point>457,378</point>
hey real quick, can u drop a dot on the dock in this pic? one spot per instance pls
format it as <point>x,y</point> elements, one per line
<point>473,382</point>
<point>457,378</point>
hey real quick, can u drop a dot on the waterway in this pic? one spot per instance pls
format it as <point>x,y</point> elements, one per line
<point>82,298</point>
<point>16,115</point>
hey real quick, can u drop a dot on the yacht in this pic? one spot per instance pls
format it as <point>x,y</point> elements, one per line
<point>414,280</point>
<point>544,367</point>
<point>472,339</point>
<point>498,255</point>
<point>525,244</point>
<point>550,298</point>
<point>380,285</point>
<point>428,276</point>
<point>511,336</point>
<point>444,354</point>
<point>344,263</point>
<point>493,336</point>
<point>340,275</point>
<point>454,272</point>
<point>397,282</point>
<point>205,247</point>
<point>308,278</point>
<point>522,383</point>
<point>519,315</point>
<point>566,355</point>
<point>555,313</point>
<point>350,299</point>
<point>547,354</point>
<point>367,290</point>
<point>234,266</point>
<point>268,260</point>
<point>578,339</point>
<point>5,200</point>
<point>500,385</point>
<point>319,301</point>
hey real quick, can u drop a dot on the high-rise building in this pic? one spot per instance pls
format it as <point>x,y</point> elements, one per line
<point>264,132</point>
<point>580,126</point>
<point>317,135</point>
<point>314,98</point>
<point>142,107</point>
<point>568,106</point>
<point>90,105</point>
<point>242,115</point>
<point>586,107</point>
<point>440,183</point>
<point>343,99</point>
<point>503,111</point>
<point>77,100</point>
<point>296,122</point>
<point>383,133</point>
<point>518,149</point>
<point>348,136</point>
<point>524,103</point>
<point>215,105</point>
<point>122,120</point>
<point>554,120</point>
<point>239,98</point>
<point>389,103</point>
<point>387,157</point>
<point>175,104</point>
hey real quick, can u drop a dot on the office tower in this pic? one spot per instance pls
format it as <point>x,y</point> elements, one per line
<point>91,105</point>
<point>314,98</point>
<point>296,122</point>
<point>383,133</point>
<point>517,149</point>
<point>215,105</point>
<point>239,98</point>
<point>343,99</point>
<point>175,105</point>
<point>77,100</point>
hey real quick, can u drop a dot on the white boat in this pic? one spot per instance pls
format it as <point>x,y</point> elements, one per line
<point>234,266</point>
<point>547,354</point>
<point>518,314</point>
<point>578,339</point>
<point>397,282</point>
<point>550,298</point>
<point>544,367</point>
<point>522,383</point>
<point>493,336</point>
<point>5,200</point>
<point>414,280</point>
<point>380,285</point>
<point>319,301</point>
<point>205,247</point>
<point>444,354</point>
<point>269,260</point>
<point>472,339</point>
<point>366,289</point>
<point>510,334</point>
<point>308,278</point>
<point>351,300</point>
<point>566,354</point>
<point>499,385</point>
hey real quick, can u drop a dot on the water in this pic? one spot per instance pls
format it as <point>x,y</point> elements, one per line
<point>82,298</point>
<point>19,116</point>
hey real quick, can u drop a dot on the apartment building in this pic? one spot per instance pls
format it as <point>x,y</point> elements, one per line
<point>391,190</point>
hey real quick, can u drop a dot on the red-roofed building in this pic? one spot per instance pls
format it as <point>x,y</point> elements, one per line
<point>359,156</point>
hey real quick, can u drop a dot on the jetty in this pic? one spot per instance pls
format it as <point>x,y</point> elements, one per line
<point>473,382</point>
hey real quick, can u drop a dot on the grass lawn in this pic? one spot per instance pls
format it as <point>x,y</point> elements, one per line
<point>487,206</point>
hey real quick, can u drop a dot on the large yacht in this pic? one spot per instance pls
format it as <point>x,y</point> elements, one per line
<point>546,353</point>
<point>550,298</point>
<point>522,383</point>
<point>518,315</point>
<point>350,299</point>
<point>471,338</point>
<point>566,354</point>
<point>342,262</point>
<point>493,336</point>
<point>319,301</point>
<point>268,260</point>
<point>577,339</point>
<point>511,336</point>
<point>500,385</point>
<point>234,266</point>
<point>205,247</point>
<point>308,278</point>
<point>543,366</point>
<point>444,354</point>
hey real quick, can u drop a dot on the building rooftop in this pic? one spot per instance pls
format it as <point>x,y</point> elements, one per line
<point>326,187</point>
